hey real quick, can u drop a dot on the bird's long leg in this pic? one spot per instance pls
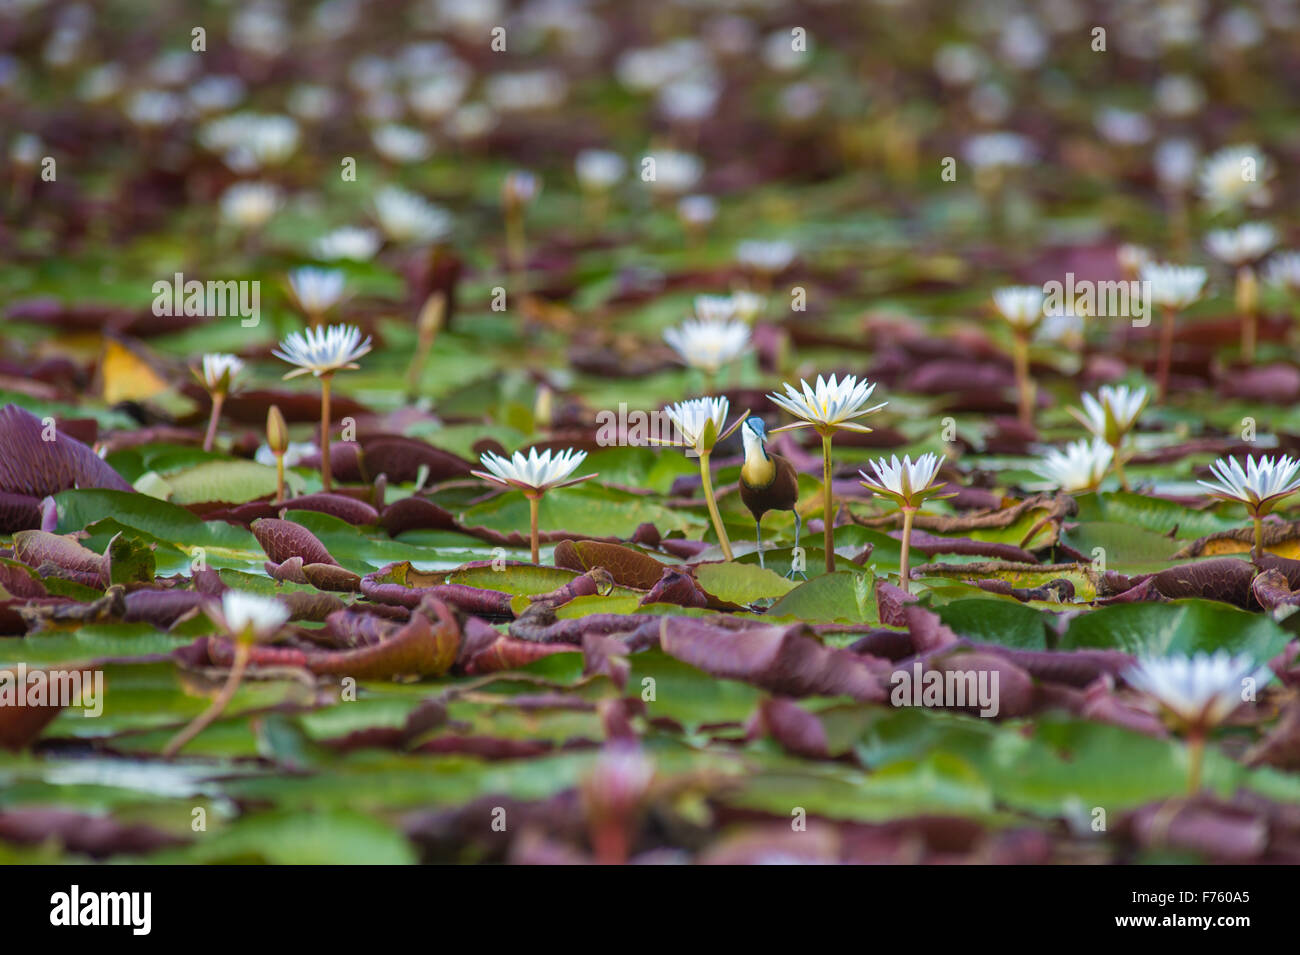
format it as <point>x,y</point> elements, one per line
<point>758,536</point>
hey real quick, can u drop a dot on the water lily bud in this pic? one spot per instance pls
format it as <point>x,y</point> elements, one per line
<point>613,796</point>
<point>431,317</point>
<point>1247,290</point>
<point>277,431</point>
<point>544,407</point>
<point>520,188</point>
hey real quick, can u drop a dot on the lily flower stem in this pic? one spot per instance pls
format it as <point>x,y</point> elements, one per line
<point>723,541</point>
<point>595,208</point>
<point>1024,385</point>
<point>1166,354</point>
<point>904,568</point>
<point>423,347</point>
<point>1259,537</point>
<point>1246,306</point>
<point>243,650</point>
<point>1119,470</point>
<point>610,842</point>
<point>1195,760</point>
<point>828,515</point>
<point>279,479</point>
<point>534,501</point>
<point>326,472</point>
<point>210,438</point>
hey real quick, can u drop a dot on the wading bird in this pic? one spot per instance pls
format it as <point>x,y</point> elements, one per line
<point>768,482</point>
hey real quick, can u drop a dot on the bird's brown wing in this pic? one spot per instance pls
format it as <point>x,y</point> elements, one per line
<point>779,495</point>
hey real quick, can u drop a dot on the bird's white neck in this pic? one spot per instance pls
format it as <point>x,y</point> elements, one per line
<point>758,469</point>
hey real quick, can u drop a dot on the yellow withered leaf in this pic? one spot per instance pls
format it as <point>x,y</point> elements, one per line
<point>125,376</point>
<point>1283,540</point>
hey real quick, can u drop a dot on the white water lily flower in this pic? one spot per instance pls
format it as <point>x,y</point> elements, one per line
<point>154,109</point>
<point>599,169</point>
<point>536,472</point>
<point>708,345</point>
<point>296,453</point>
<point>1023,43</point>
<point>675,173</point>
<point>250,614</point>
<point>471,121</point>
<point>998,150</point>
<point>435,97</point>
<point>526,91</point>
<point>220,371</point>
<point>715,308</point>
<point>1260,486</point>
<point>401,144</point>
<point>260,29</point>
<point>770,257</point>
<point>691,419</point>
<point>311,102</point>
<point>101,83</point>
<point>782,56</point>
<point>1242,245</point>
<point>829,404</point>
<point>1020,305</point>
<point>316,290</point>
<point>1113,413</point>
<point>251,140</point>
<point>1177,94</point>
<point>689,100</point>
<point>748,305</point>
<point>349,242</point>
<point>958,64</point>
<point>1284,270</point>
<point>1060,326</point>
<point>26,149</point>
<point>908,482</point>
<point>1080,467</point>
<point>1235,176</point>
<point>697,211</point>
<point>322,351</point>
<point>1175,163</point>
<point>644,69</point>
<point>520,187</point>
<point>1133,258</point>
<point>249,205</point>
<point>1173,286</point>
<point>1201,690</point>
<point>1122,127</point>
<point>216,92</point>
<point>407,217</point>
